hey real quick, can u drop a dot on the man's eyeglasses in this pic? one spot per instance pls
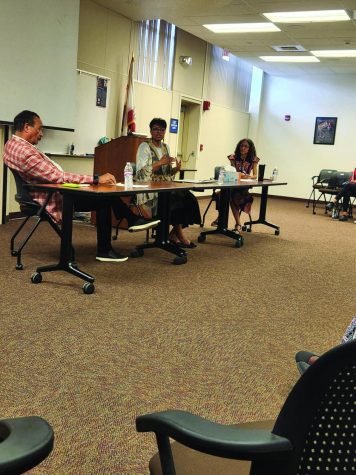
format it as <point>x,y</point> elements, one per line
<point>158,129</point>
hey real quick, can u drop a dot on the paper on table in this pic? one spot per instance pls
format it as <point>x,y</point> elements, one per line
<point>247,179</point>
<point>133,186</point>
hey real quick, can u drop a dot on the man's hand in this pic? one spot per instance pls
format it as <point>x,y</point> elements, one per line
<point>107,179</point>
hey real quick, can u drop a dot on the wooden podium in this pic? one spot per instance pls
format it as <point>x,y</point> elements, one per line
<point>112,157</point>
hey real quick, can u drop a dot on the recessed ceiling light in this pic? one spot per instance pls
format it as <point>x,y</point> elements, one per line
<point>307,17</point>
<point>242,27</point>
<point>342,53</point>
<point>290,59</point>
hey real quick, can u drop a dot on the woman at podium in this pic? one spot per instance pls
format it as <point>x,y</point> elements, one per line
<point>154,163</point>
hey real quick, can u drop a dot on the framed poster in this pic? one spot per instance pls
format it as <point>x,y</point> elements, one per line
<point>173,126</point>
<point>324,132</point>
<point>101,91</point>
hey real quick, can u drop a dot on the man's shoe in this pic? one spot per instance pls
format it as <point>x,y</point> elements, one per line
<point>110,256</point>
<point>141,224</point>
<point>302,358</point>
<point>343,218</point>
<point>330,206</point>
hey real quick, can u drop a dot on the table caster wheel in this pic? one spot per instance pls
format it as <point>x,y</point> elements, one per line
<point>14,253</point>
<point>201,238</point>
<point>19,267</point>
<point>239,242</point>
<point>248,230</point>
<point>137,253</point>
<point>179,260</point>
<point>276,232</point>
<point>244,228</point>
<point>36,278</point>
<point>88,288</point>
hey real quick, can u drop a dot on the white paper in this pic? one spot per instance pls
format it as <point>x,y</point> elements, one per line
<point>133,186</point>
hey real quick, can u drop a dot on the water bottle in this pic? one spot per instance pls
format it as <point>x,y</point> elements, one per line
<point>274,174</point>
<point>128,175</point>
<point>221,177</point>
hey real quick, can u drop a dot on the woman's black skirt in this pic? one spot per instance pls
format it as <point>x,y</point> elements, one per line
<point>184,208</point>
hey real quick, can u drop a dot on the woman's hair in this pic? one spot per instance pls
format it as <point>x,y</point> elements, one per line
<point>160,122</point>
<point>251,151</point>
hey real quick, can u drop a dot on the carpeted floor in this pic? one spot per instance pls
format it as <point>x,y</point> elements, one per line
<point>216,336</point>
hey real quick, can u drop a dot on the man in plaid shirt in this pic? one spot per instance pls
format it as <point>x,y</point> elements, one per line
<point>33,166</point>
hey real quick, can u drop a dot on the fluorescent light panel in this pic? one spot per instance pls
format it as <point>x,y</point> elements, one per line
<point>343,53</point>
<point>290,59</point>
<point>307,17</point>
<point>242,27</point>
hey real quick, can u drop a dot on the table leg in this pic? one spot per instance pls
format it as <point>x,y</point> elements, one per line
<point>223,219</point>
<point>161,239</point>
<point>66,251</point>
<point>262,216</point>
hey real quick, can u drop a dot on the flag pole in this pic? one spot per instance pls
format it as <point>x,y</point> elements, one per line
<point>127,95</point>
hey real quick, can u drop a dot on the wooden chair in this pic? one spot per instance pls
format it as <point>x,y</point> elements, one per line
<point>314,432</point>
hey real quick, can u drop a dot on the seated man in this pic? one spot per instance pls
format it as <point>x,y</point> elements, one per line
<point>306,358</point>
<point>33,166</point>
<point>348,190</point>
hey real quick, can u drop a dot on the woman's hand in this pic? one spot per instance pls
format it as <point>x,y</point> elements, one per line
<point>177,167</point>
<point>166,160</point>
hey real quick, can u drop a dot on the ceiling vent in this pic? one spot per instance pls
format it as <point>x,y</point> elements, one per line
<point>289,48</point>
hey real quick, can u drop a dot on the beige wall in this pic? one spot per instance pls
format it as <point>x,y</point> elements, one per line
<point>189,79</point>
<point>105,48</point>
<point>221,128</point>
<point>288,145</point>
<point>151,102</point>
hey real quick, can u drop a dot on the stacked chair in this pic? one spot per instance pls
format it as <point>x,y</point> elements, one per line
<point>326,185</point>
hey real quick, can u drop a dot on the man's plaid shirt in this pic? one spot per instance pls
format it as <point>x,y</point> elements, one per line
<point>35,167</point>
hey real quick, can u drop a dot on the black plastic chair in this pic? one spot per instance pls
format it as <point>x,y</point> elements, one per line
<point>213,196</point>
<point>24,443</point>
<point>314,432</point>
<point>320,185</point>
<point>30,209</point>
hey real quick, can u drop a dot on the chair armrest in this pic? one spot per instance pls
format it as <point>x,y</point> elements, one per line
<point>215,439</point>
<point>25,442</point>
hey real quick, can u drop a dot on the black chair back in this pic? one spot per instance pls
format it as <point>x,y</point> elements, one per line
<point>22,194</point>
<point>217,171</point>
<point>318,416</point>
<point>338,179</point>
<point>325,176</point>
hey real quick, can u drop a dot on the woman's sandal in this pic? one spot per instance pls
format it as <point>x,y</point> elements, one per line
<point>214,223</point>
<point>187,245</point>
<point>173,238</point>
<point>238,228</point>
